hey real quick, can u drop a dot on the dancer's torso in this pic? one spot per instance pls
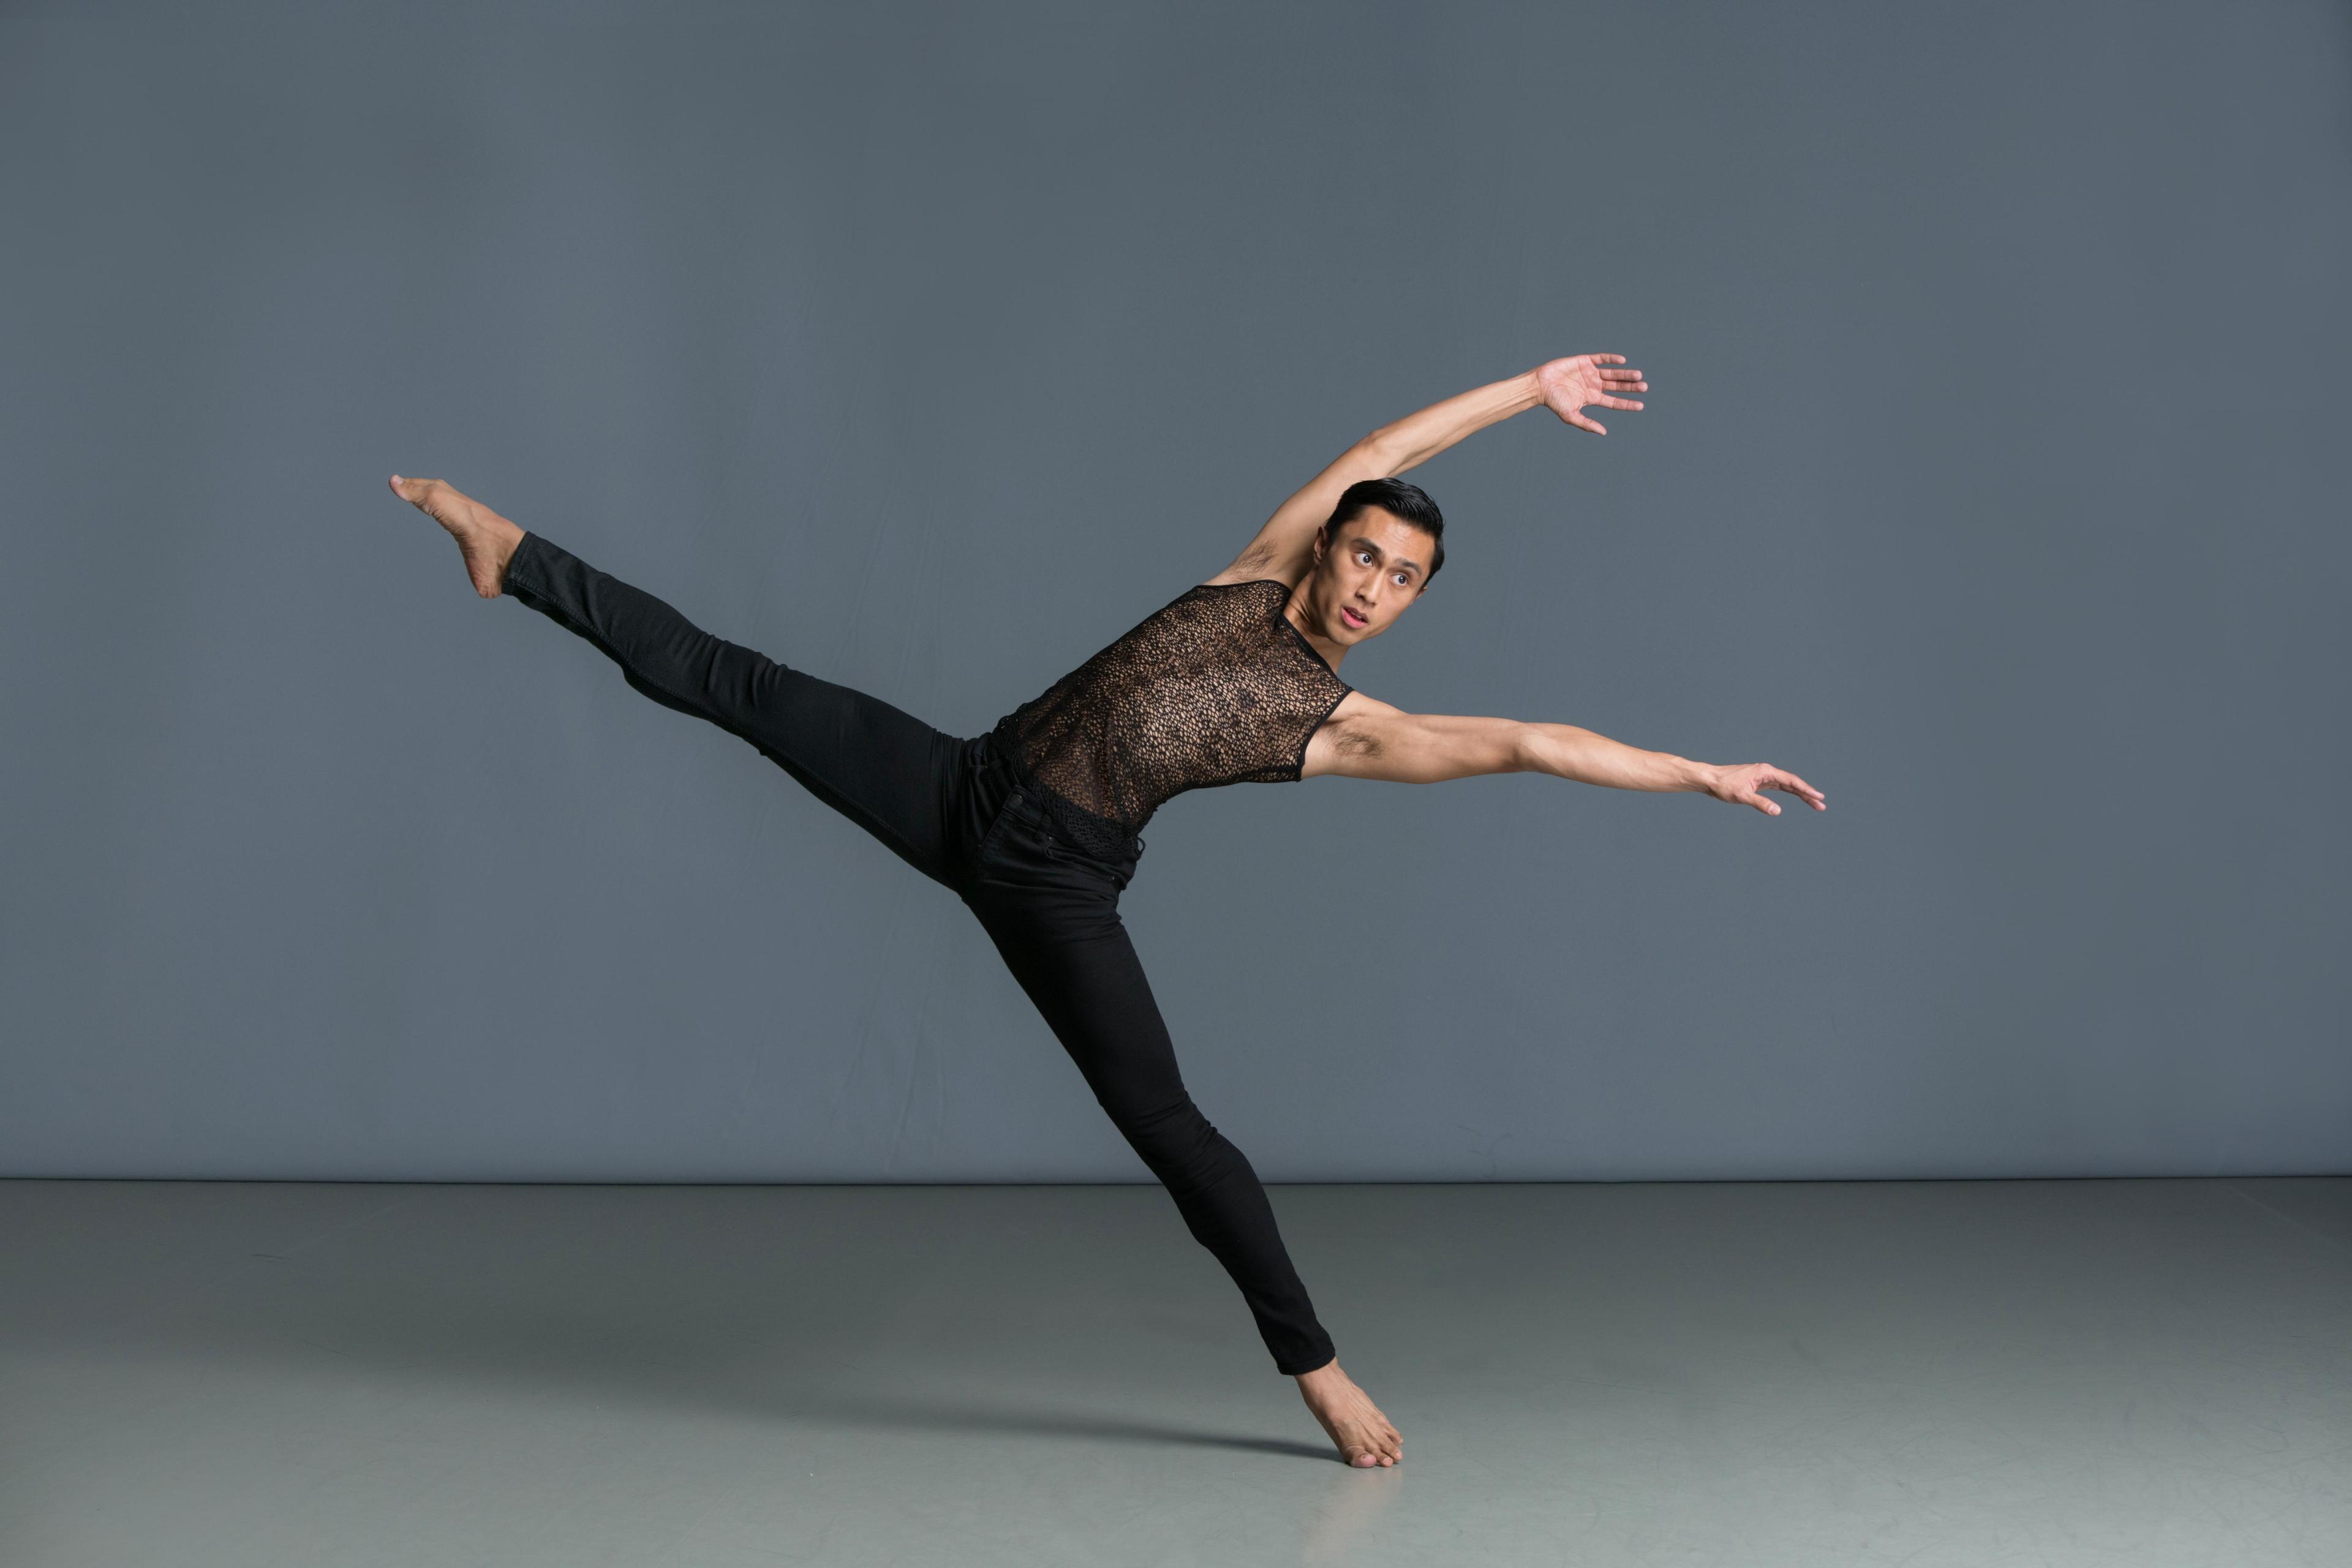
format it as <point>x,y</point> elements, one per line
<point>1215,688</point>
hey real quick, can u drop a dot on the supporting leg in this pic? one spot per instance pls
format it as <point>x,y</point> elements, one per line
<point>1073,958</point>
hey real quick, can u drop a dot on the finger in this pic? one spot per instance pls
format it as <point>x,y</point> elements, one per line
<point>1620,376</point>
<point>1583,422</point>
<point>1795,785</point>
<point>1617,403</point>
<point>1768,808</point>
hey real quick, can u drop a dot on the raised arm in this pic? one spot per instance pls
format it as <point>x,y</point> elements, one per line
<point>1284,547</point>
<point>1367,739</point>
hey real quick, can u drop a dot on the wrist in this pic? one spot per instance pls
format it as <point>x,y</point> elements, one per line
<point>1698,776</point>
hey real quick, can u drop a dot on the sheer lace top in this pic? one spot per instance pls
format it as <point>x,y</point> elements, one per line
<point>1214,688</point>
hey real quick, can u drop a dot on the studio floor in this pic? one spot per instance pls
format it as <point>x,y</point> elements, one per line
<point>2140,1373</point>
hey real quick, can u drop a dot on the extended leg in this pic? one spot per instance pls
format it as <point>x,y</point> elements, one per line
<point>884,769</point>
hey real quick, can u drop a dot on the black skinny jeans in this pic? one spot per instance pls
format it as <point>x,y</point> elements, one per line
<point>962,815</point>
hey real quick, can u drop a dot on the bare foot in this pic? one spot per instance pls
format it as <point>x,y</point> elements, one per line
<point>1355,1425</point>
<point>484,539</point>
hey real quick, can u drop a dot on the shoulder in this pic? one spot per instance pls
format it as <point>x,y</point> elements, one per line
<point>1358,714</point>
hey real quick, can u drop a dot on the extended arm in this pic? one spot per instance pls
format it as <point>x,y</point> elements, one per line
<point>1283,547</point>
<point>1367,739</point>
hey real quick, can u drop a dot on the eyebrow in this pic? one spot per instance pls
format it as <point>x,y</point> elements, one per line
<point>1405,561</point>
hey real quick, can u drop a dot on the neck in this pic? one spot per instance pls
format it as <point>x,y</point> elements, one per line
<point>1310,626</point>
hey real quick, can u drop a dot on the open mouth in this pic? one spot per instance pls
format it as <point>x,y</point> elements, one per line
<point>1355,621</point>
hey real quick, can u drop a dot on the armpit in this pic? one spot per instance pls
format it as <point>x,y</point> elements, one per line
<point>1351,738</point>
<point>1259,553</point>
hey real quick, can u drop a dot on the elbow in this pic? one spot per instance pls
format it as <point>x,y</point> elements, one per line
<point>1524,749</point>
<point>1379,453</point>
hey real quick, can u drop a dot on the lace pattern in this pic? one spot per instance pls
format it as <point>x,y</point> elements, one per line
<point>1214,688</point>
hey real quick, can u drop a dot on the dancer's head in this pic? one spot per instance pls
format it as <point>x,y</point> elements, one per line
<point>1376,553</point>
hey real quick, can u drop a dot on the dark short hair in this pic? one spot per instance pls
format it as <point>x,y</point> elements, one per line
<point>1411,503</point>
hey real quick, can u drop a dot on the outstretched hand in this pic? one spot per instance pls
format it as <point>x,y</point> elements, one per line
<point>1744,783</point>
<point>1569,384</point>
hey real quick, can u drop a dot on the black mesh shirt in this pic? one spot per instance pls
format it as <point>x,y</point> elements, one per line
<point>1214,688</point>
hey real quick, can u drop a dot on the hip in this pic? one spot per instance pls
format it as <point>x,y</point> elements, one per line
<point>1020,836</point>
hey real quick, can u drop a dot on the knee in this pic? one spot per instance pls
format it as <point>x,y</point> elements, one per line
<point>1181,1146</point>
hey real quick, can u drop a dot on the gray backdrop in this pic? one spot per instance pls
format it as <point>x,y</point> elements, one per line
<point>1993,480</point>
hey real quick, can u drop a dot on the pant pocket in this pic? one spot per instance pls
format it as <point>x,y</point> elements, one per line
<point>989,836</point>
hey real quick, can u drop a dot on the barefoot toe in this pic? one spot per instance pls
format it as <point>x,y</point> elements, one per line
<point>1365,1437</point>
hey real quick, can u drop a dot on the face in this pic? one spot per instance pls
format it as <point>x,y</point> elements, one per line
<point>1367,571</point>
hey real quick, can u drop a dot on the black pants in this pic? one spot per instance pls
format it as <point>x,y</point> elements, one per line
<point>961,815</point>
